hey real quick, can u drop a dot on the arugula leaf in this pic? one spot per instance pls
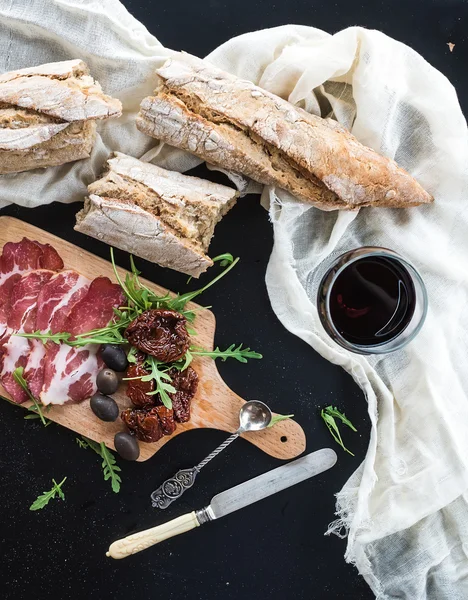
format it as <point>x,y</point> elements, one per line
<point>239,353</point>
<point>128,292</point>
<point>334,412</point>
<point>185,362</point>
<point>36,407</point>
<point>328,414</point>
<point>158,372</point>
<point>178,303</point>
<point>224,259</point>
<point>36,416</point>
<point>45,498</point>
<point>112,334</point>
<point>56,338</point>
<point>163,382</point>
<point>109,466</point>
<point>131,355</point>
<point>277,418</point>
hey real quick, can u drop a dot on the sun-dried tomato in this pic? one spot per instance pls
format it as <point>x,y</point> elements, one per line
<point>143,424</point>
<point>186,383</point>
<point>137,389</point>
<point>160,333</point>
<point>149,425</point>
<point>166,419</point>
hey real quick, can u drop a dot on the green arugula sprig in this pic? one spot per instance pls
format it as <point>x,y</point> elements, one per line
<point>239,353</point>
<point>158,372</point>
<point>328,414</point>
<point>31,408</point>
<point>278,418</point>
<point>46,497</point>
<point>18,376</point>
<point>179,302</point>
<point>112,334</point>
<point>109,465</point>
<point>184,362</point>
<point>223,259</point>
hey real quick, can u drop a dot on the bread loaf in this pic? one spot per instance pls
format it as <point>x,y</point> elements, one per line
<point>162,216</point>
<point>234,124</point>
<point>48,114</point>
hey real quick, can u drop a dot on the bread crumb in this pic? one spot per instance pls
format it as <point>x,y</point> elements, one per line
<point>451,46</point>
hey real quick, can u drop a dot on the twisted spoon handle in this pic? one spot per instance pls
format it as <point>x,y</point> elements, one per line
<point>173,488</point>
<point>219,449</point>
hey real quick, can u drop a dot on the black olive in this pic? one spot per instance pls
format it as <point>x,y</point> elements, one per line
<point>114,356</point>
<point>104,407</point>
<point>126,445</point>
<point>107,381</point>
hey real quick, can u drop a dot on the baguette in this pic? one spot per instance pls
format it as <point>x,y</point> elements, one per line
<point>162,216</point>
<point>236,125</point>
<point>48,114</point>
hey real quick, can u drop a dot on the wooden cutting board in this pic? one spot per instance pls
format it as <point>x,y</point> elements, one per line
<point>214,405</point>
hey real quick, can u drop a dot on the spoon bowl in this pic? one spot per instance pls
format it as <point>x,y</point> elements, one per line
<point>254,416</point>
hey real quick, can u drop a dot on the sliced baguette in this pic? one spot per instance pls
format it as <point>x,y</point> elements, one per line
<point>232,123</point>
<point>63,90</point>
<point>48,114</point>
<point>162,216</point>
<point>74,142</point>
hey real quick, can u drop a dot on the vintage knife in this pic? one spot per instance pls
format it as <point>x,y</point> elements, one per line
<point>229,501</point>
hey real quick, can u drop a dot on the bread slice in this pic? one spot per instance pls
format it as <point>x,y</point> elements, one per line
<point>74,142</point>
<point>162,216</point>
<point>62,90</point>
<point>48,114</point>
<point>234,124</point>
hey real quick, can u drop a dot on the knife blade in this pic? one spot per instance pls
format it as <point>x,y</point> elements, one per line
<point>229,501</point>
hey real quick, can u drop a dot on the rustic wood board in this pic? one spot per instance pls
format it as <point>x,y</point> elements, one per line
<point>215,405</point>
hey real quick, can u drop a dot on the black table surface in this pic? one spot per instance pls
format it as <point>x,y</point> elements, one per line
<point>272,550</point>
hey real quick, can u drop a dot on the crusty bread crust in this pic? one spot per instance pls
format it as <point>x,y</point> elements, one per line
<point>234,124</point>
<point>75,142</point>
<point>162,216</point>
<point>130,228</point>
<point>64,91</point>
<point>48,114</point>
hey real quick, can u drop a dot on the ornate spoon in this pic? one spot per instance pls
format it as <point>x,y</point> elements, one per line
<point>253,416</point>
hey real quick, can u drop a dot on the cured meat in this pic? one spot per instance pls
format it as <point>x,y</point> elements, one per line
<point>57,299</point>
<point>18,257</point>
<point>54,303</point>
<point>23,298</point>
<point>21,317</point>
<point>5,294</point>
<point>35,294</point>
<point>70,373</point>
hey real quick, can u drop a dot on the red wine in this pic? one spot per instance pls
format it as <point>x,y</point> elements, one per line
<point>372,300</point>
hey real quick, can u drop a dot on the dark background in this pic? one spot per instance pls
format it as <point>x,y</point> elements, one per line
<point>273,550</point>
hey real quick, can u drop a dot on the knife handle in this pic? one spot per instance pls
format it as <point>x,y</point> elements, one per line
<point>144,539</point>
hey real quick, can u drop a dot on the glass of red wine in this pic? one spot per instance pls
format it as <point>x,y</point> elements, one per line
<point>371,300</point>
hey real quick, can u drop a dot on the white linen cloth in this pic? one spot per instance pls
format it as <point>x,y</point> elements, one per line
<point>405,508</point>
